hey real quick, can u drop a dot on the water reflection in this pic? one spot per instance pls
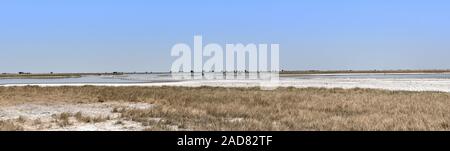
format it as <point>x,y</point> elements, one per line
<point>167,77</point>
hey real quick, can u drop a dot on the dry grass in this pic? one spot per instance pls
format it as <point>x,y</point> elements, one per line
<point>207,108</point>
<point>62,119</point>
<point>88,119</point>
<point>9,126</point>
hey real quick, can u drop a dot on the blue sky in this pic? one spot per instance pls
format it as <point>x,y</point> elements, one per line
<point>137,35</point>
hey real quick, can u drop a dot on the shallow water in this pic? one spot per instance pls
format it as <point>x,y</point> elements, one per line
<point>166,77</point>
<point>84,79</point>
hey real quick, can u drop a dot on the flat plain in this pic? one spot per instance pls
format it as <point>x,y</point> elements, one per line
<point>220,108</point>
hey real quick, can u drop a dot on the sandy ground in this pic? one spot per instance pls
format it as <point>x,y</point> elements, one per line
<point>42,116</point>
<point>441,85</point>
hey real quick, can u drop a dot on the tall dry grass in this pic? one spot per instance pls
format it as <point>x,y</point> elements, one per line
<point>208,108</point>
